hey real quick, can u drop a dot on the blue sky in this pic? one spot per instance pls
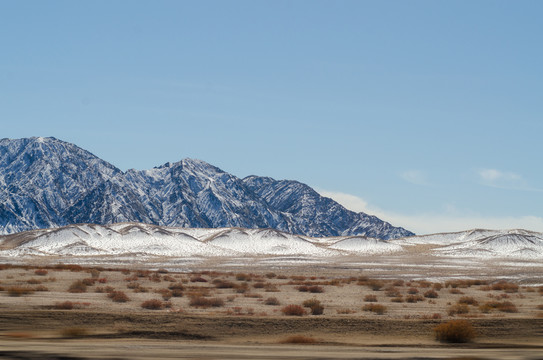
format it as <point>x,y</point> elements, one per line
<point>428,114</point>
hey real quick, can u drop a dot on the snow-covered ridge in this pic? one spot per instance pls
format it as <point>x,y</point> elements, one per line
<point>136,239</point>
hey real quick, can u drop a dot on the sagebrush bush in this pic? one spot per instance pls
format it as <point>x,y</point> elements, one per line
<point>293,310</point>
<point>370,298</point>
<point>375,308</point>
<point>458,309</point>
<point>431,294</point>
<point>153,304</point>
<point>66,305</point>
<point>206,302</point>
<point>455,331</point>
<point>272,301</point>
<point>41,272</point>
<point>118,296</point>
<point>505,286</point>
<point>77,287</point>
<point>468,300</point>
<point>17,291</point>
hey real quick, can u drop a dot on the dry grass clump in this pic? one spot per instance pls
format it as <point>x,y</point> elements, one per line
<point>272,301</point>
<point>505,306</point>
<point>77,286</point>
<point>456,291</point>
<point>375,308</point>
<point>455,331</point>
<point>315,305</point>
<point>41,272</point>
<point>468,300</point>
<point>414,298</point>
<point>17,291</point>
<point>118,296</point>
<point>370,298</point>
<point>458,309</point>
<point>505,286</point>
<point>398,299</point>
<point>298,339</point>
<point>431,294</point>
<point>153,304</point>
<point>293,310</point>
<point>66,305</point>
<point>375,285</point>
<point>203,302</point>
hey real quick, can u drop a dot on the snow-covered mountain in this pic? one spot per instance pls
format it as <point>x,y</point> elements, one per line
<point>136,240</point>
<point>46,183</point>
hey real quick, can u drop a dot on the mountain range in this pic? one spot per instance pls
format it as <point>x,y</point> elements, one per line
<point>49,183</point>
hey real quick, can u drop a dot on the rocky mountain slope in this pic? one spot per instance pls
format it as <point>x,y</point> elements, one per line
<point>45,182</point>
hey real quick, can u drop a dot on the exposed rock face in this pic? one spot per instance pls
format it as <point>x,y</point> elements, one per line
<point>45,182</point>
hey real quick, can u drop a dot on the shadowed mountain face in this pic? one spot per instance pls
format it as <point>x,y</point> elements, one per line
<point>45,182</point>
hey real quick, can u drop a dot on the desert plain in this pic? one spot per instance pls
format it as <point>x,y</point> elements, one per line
<point>65,311</point>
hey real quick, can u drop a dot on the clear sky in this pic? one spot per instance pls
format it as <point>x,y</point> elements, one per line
<point>428,114</point>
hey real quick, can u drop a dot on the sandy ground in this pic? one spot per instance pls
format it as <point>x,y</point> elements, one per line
<point>245,327</point>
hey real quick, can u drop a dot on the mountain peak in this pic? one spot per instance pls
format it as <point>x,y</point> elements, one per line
<point>46,182</point>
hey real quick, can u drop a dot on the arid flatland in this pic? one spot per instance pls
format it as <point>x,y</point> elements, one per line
<point>97,312</point>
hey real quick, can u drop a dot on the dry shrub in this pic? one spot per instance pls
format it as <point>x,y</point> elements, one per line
<point>243,277</point>
<point>413,291</point>
<point>203,302</point>
<point>77,286</point>
<point>102,280</point>
<point>468,300</point>
<point>17,291</point>
<point>41,288</point>
<point>370,298</point>
<point>375,308</point>
<point>259,285</point>
<point>398,299</point>
<point>414,298</point>
<point>539,307</point>
<point>270,275</point>
<point>424,284</point>
<point>293,310</point>
<point>41,272</point>
<point>458,309</point>
<point>456,291</point>
<point>153,304</point>
<point>89,281</point>
<point>73,332</point>
<point>118,296</point>
<point>66,305</point>
<point>505,286</point>
<point>505,306</point>
<point>455,331</point>
<point>166,294</point>
<point>95,273</point>
<point>375,285</point>
<point>298,339</point>
<point>315,289</point>
<point>309,303</point>
<point>33,281</point>
<point>298,278</point>
<point>398,283</point>
<point>223,284</point>
<point>168,278</point>
<point>431,294</point>
<point>71,267</point>
<point>392,292</point>
<point>345,311</point>
<point>162,271</point>
<point>437,286</point>
<point>177,293</point>
<point>272,301</point>
<point>198,279</point>
<point>302,288</point>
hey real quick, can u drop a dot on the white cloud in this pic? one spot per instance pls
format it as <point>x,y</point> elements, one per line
<point>493,175</point>
<point>436,223</point>
<point>416,177</point>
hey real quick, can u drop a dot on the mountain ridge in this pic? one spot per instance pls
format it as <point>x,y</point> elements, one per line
<point>46,182</point>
